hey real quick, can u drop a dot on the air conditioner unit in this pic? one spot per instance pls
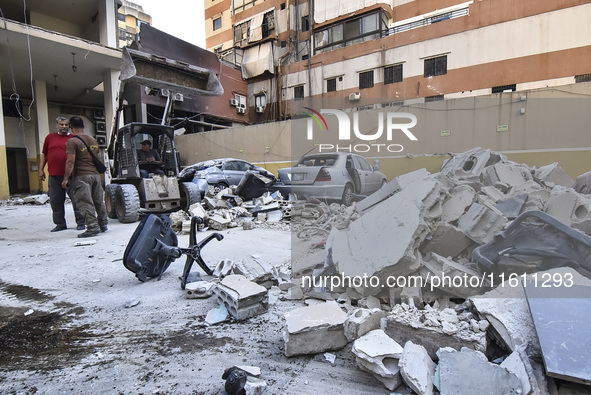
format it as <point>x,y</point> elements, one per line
<point>99,114</point>
<point>355,96</point>
<point>101,126</point>
<point>241,110</point>
<point>260,109</point>
<point>233,102</point>
<point>101,140</point>
<point>179,97</point>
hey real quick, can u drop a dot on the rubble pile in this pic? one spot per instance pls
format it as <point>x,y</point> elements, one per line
<point>432,271</point>
<point>226,209</point>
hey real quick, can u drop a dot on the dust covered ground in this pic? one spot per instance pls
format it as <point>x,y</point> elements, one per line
<point>73,319</point>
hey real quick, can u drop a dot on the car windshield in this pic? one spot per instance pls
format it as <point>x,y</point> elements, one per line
<point>324,160</point>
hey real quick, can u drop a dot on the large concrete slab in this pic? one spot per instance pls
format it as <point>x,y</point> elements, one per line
<point>563,323</point>
<point>417,368</point>
<point>385,240</point>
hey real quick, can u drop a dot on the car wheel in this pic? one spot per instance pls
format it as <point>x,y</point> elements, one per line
<point>219,186</point>
<point>111,200</point>
<point>348,195</point>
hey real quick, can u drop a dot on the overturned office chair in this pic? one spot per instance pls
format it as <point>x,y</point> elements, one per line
<point>154,245</point>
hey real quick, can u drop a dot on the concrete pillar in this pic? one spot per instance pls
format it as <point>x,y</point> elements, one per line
<point>43,127</point>
<point>111,90</point>
<point>4,189</point>
<point>108,23</point>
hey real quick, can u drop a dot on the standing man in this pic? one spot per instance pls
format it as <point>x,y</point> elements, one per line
<point>54,155</point>
<point>88,190</point>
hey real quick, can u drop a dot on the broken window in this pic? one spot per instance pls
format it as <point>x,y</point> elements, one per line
<point>241,33</point>
<point>268,23</point>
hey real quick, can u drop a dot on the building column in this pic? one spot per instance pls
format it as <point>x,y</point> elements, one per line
<point>4,187</point>
<point>108,23</point>
<point>111,85</point>
<point>43,128</point>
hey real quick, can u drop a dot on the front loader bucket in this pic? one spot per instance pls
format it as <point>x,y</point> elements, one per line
<point>163,73</point>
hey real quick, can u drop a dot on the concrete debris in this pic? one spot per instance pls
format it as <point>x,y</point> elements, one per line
<point>242,298</point>
<point>36,199</point>
<point>361,321</point>
<point>552,175</point>
<point>506,309</point>
<point>480,223</point>
<point>433,328</point>
<point>417,368</point>
<point>314,329</point>
<point>199,289</point>
<point>469,372</point>
<point>378,354</point>
<point>217,315</point>
<point>583,183</point>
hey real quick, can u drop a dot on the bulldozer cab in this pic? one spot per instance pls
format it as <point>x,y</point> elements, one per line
<point>128,144</point>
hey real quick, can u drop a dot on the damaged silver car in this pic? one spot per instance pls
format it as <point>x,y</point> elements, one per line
<point>331,176</point>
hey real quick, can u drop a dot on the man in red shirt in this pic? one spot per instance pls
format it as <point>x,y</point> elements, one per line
<point>54,155</point>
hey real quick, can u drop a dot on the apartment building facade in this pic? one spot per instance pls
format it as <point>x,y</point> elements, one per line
<point>363,54</point>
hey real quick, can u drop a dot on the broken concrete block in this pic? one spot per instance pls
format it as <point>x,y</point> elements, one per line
<point>217,222</point>
<point>210,202</point>
<point>552,175</point>
<point>294,293</point>
<point>514,364</point>
<point>255,269</point>
<point>583,183</point>
<point>314,329</point>
<point>197,210</point>
<point>427,328</point>
<point>470,164</point>
<point>254,386</point>
<point>223,268</point>
<point>412,296</point>
<point>394,186</point>
<point>469,372</point>
<point>378,354</point>
<point>481,224</point>
<point>248,225</point>
<point>446,240</point>
<point>361,321</point>
<point>501,174</point>
<point>199,289</point>
<point>462,197</point>
<point>36,199</point>
<point>493,193</point>
<point>417,368</point>
<point>562,205</point>
<point>511,207</point>
<point>367,248</point>
<point>242,298</point>
<point>505,307</point>
<point>442,273</point>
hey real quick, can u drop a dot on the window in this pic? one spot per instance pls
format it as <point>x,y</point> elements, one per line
<point>392,74</point>
<point>331,85</point>
<point>504,88</point>
<point>121,17</point>
<point>283,43</point>
<point>436,66</point>
<point>217,23</point>
<point>240,100</point>
<point>298,92</point>
<point>582,78</point>
<point>353,31</point>
<point>282,6</point>
<point>433,98</point>
<point>366,79</point>
<point>305,23</point>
